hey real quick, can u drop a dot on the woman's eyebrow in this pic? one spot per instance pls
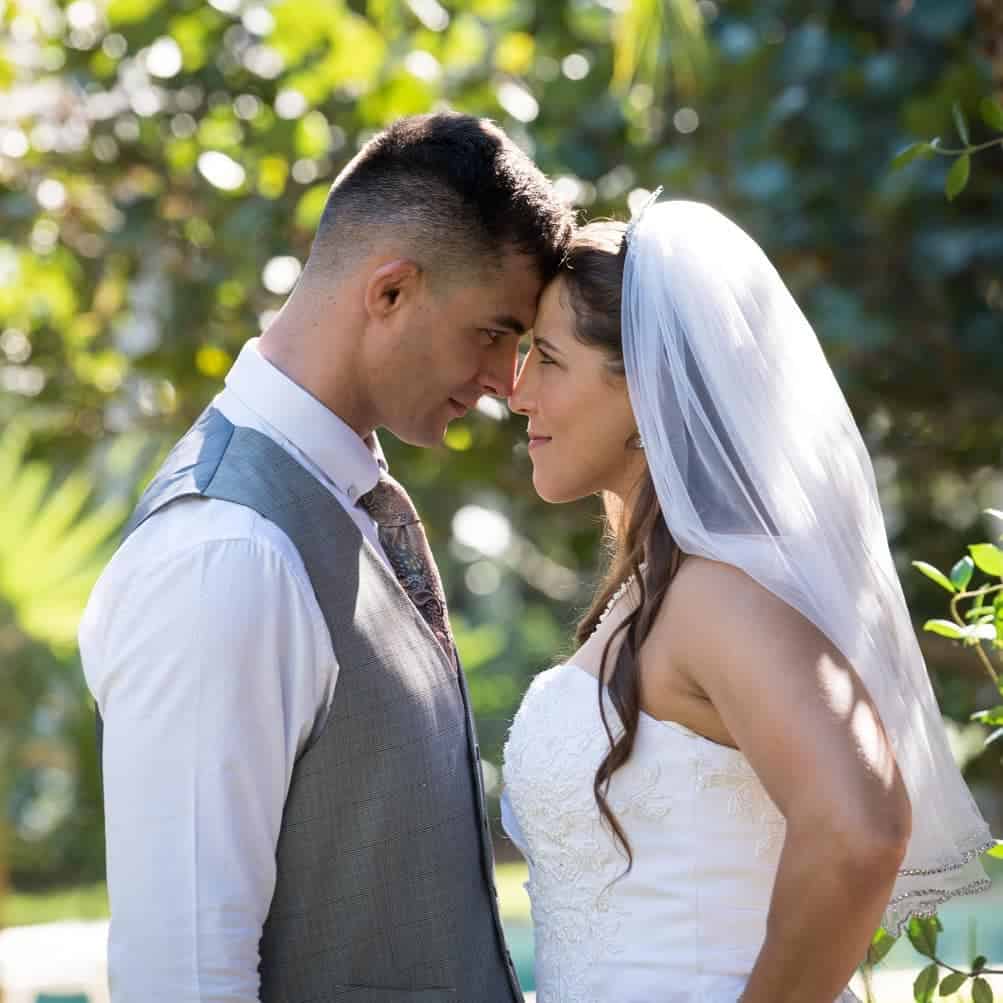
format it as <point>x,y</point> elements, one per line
<point>548,345</point>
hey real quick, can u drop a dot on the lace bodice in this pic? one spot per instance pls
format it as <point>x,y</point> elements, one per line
<point>686,923</point>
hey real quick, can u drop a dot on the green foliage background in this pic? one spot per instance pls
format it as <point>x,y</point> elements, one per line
<point>155,156</point>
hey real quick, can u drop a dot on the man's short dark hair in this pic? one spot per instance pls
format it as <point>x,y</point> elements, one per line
<point>454,188</point>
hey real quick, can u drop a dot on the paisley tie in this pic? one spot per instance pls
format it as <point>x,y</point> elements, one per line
<point>403,539</point>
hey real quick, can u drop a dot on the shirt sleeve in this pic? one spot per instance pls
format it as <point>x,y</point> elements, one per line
<point>208,689</point>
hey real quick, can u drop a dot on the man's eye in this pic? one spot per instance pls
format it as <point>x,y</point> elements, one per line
<point>545,360</point>
<point>493,336</point>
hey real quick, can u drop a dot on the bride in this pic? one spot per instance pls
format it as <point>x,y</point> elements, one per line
<point>741,772</point>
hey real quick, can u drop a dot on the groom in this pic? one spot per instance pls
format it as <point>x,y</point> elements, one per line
<point>293,797</point>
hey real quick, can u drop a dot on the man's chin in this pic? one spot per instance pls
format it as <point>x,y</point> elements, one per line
<point>424,437</point>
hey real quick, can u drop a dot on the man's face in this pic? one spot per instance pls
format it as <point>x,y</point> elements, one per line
<point>454,345</point>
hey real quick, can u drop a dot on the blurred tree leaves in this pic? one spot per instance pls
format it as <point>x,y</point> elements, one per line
<point>158,158</point>
<point>51,550</point>
<point>53,544</point>
<point>655,40</point>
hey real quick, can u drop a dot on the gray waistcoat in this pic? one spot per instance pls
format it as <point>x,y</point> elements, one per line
<point>385,888</point>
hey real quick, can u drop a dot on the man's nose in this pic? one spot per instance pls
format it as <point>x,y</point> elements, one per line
<point>499,374</point>
<point>518,400</point>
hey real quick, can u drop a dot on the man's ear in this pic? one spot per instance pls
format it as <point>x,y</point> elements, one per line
<point>391,286</point>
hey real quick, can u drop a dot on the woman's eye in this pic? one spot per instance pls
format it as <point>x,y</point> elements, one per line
<point>492,336</point>
<point>545,360</point>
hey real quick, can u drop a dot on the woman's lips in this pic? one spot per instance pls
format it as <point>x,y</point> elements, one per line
<point>459,409</point>
<point>536,441</point>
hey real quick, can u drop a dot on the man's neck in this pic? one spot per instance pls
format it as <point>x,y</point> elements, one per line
<point>331,380</point>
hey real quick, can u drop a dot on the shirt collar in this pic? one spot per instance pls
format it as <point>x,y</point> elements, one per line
<point>352,464</point>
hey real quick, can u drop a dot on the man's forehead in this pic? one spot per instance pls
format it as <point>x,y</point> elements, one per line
<point>511,309</point>
<point>506,293</point>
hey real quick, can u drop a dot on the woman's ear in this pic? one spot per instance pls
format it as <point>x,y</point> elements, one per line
<point>392,286</point>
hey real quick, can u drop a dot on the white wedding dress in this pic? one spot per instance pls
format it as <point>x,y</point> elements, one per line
<point>686,923</point>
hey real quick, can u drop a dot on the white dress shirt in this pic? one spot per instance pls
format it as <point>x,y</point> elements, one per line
<point>208,656</point>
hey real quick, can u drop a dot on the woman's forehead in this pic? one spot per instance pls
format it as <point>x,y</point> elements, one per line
<point>555,309</point>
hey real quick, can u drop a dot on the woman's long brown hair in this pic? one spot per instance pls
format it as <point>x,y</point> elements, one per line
<point>593,274</point>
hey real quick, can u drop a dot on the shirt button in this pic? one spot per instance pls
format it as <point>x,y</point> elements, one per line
<point>353,492</point>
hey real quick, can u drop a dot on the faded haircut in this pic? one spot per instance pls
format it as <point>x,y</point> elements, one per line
<point>453,191</point>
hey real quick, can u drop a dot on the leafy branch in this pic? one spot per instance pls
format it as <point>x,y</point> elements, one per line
<point>922,933</point>
<point>979,627</point>
<point>957,177</point>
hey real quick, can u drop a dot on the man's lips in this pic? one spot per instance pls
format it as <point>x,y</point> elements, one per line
<point>459,407</point>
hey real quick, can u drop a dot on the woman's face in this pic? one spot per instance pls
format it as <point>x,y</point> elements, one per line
<point>579,412</point>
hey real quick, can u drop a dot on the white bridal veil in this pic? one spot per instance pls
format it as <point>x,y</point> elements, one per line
<point>757,462</point>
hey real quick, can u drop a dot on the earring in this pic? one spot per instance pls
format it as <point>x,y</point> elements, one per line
<point>635,441</point>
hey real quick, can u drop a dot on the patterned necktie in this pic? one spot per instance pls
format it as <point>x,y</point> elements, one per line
<point>403,539</point>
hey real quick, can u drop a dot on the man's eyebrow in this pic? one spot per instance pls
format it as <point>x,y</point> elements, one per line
<point>515,325</point>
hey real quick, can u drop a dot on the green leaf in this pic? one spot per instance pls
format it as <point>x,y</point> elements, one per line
<point>980,962</point>
<point>926,984</point>
<point>961,573</point>
<point>934,575</point>
<point>12,447</point>
<point>981,991</point>
<point>881,944</point>
<point>988,558</point>
<point>995,736</point>
<point>922,932</point>
<point>946,628</point>
<point>960,123</point>
<point>957,177</point>
<point>638,44</point>
<point>952,983</point>
<point>992,716</point>
<point>980,611</point>
<point>21,501</point>
<point>911,153</point>
<point>992,113</point>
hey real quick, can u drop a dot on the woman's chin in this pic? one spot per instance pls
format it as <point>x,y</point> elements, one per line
<point>542,487</point>
<point>554,492</point>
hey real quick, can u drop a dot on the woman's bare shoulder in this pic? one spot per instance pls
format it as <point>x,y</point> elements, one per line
<point>705,587</point>
<point>715,606</point>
